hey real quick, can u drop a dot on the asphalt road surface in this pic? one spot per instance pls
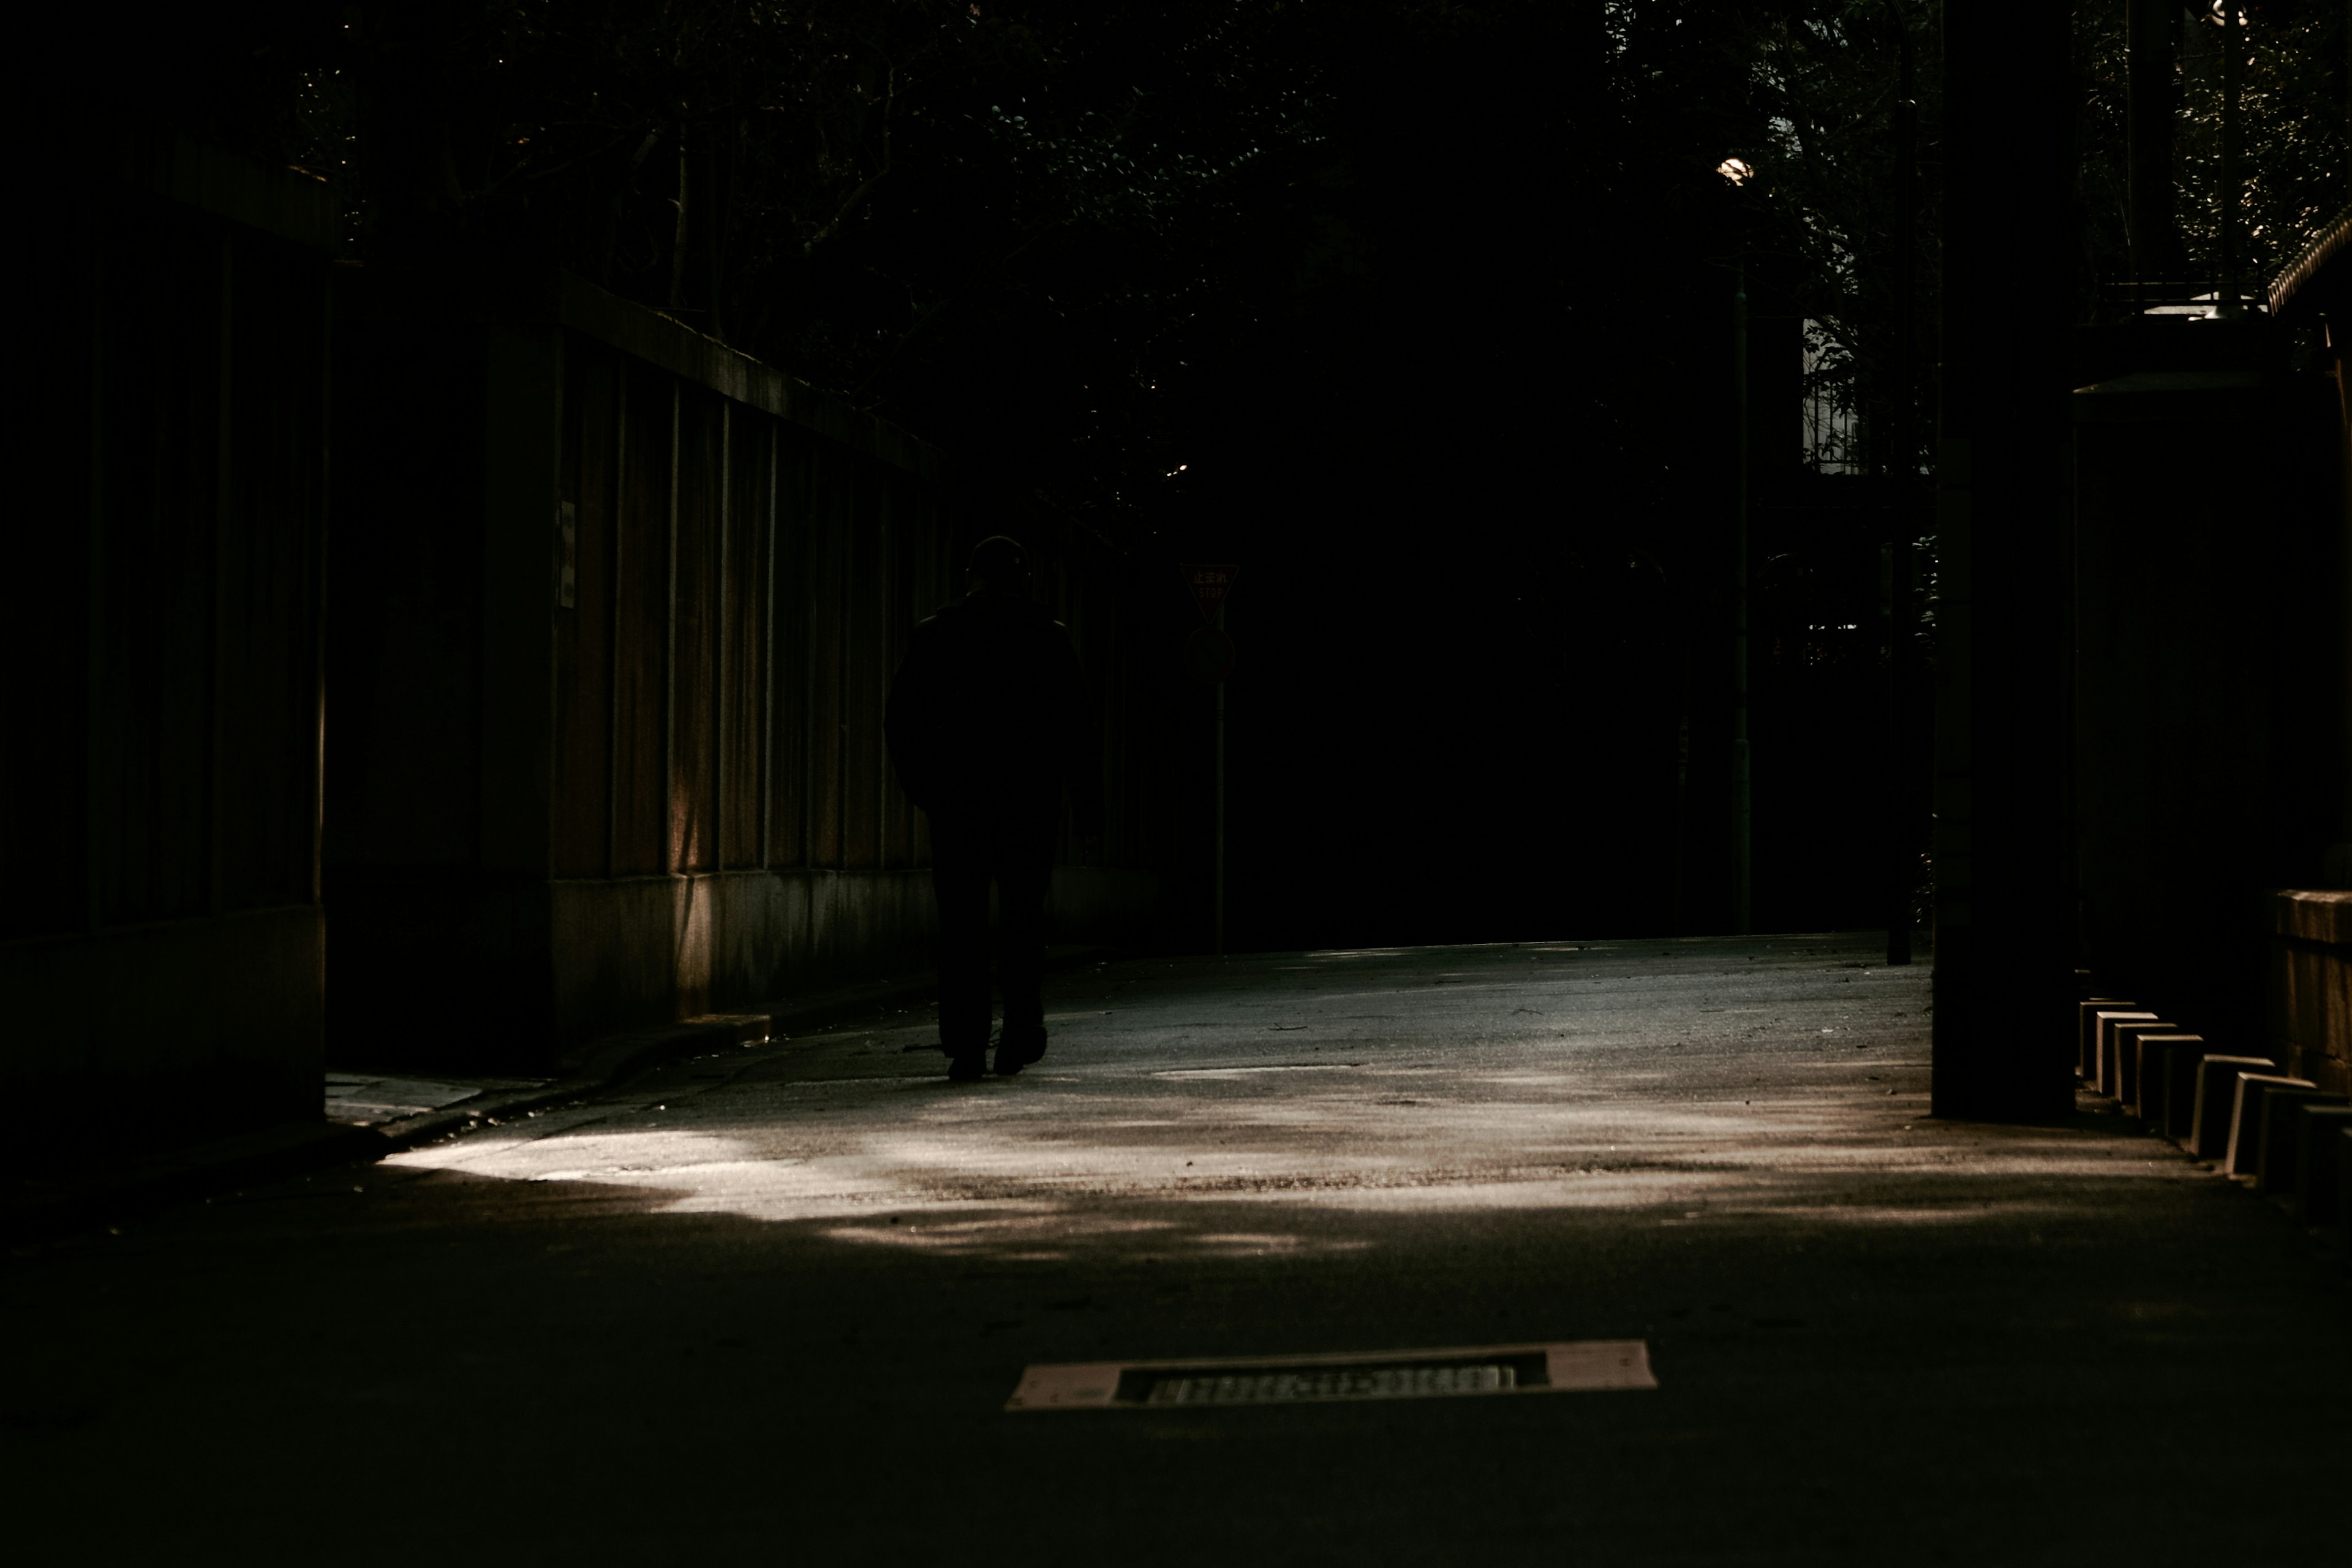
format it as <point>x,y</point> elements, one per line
<point>770,1305</point>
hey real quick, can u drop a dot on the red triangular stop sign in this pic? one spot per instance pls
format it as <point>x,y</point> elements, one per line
<point>1210,584</point>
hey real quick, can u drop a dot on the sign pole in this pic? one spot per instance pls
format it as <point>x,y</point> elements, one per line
<point>1217,874</point>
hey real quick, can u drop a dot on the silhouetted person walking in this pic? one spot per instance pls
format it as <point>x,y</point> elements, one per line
<point>988,727</point>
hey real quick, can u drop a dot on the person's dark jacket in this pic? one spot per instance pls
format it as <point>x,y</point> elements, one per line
<point>989,714</point>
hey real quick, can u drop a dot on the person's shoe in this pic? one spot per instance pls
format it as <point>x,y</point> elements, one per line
<point>968,1069</point>
<point>1016,1052</point>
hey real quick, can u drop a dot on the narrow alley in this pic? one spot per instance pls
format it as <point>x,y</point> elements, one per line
<point>774,1301</point>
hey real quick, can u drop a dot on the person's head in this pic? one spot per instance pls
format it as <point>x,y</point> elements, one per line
<point>1000,568</point>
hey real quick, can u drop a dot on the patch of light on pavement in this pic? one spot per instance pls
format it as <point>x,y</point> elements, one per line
<point>1253,1072</point>
<point>1156,1133</point>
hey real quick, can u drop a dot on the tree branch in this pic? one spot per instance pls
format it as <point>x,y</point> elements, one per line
<point>858,196</point>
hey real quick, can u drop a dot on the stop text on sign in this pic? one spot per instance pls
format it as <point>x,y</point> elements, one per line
<point>1210,584</point>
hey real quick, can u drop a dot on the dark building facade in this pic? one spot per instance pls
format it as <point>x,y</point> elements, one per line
<point>162,943</point>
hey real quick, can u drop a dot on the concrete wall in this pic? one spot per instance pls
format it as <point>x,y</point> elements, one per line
<point>159,676</point>
<point>2308,985</point>
<point>654,947</point>
<point>2209,763</point>
<point>663,947</point>
<point>187,1029</point>
<point>616,610</point>
<point>2308,955</point>
<point>460,971</point>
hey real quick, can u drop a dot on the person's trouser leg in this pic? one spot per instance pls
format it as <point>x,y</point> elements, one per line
<point>1024,872</point>
<point>962,852</point>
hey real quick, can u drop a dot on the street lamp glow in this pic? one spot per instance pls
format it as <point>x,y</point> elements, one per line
<point>1737,171</point>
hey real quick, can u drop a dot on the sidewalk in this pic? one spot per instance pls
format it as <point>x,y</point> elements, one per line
<point>368,1115</point>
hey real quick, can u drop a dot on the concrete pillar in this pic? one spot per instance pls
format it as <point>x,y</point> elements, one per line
<point>2004,963</point>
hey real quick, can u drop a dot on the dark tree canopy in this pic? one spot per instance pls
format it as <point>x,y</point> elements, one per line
<point>1423,308</point>
<point>1054,235</point>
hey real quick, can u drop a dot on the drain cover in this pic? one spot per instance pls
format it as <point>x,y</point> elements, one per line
<point>1315,1379</point>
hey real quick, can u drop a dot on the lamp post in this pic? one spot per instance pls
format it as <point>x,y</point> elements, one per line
<point>1739,173</point>
<point>1900,473</point>
<point>1637,557</point>
<point>1217,874</point>
<point>1742,910</point>
<point>1209,658</point>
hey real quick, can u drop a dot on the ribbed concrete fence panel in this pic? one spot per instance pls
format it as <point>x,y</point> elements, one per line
<point>615,613</point>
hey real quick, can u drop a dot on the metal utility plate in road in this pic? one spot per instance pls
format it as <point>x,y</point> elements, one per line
<point>1575,1365</point>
